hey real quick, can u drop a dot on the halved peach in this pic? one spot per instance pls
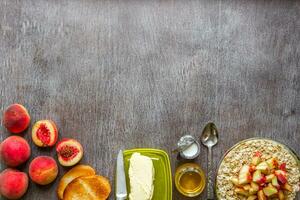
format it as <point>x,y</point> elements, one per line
<point>44,133</point>
<point>16,118</point>
<point>69,152</point>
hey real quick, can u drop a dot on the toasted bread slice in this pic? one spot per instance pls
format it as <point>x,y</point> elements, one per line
<point>75,172</point>
<point>88,188</point>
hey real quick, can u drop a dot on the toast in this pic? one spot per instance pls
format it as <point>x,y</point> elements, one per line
<point>75,172</point>
<point>93,187</point>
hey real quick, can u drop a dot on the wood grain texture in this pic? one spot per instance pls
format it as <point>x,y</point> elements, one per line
<point>126,74</point>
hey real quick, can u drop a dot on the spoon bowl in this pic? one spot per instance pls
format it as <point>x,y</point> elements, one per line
<point>210,135</point>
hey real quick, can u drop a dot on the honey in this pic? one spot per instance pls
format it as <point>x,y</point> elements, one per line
<point>190,179</point>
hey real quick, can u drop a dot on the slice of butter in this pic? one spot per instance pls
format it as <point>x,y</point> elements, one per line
<point>141,175</point>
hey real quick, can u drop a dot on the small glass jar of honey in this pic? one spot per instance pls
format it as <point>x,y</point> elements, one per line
<point>190,179</point>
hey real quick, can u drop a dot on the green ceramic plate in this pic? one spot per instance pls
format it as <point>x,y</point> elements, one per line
<point>163,176</point>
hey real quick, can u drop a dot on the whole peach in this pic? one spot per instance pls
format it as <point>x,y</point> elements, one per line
<point>14,151</point>
<point>43,170</point>
<point>13,183</point>
<point>16,118</point>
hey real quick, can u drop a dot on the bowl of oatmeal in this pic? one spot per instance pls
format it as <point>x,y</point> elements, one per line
<point>258,168</point>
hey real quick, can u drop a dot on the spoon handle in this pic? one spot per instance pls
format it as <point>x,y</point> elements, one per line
<point>210,193</point>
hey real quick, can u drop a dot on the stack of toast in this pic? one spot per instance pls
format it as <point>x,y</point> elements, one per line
<point>82,183</point>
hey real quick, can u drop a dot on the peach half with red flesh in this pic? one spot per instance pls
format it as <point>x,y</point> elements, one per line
<point>69,152</point>
<point>13,183</point>
<point>43,170</point>
<point>16,118</point>
<point>14,151</point>
<point>44,133</point>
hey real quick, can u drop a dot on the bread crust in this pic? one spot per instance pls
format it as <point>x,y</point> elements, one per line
<point>75,172</point>
<point>93,187</point>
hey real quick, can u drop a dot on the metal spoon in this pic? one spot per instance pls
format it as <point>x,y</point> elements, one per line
<point>209,138</point>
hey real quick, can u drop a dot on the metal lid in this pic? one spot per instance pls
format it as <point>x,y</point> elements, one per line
<point>184,143</point>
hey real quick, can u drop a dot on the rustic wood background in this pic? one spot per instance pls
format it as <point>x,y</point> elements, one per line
<point>126,74</point>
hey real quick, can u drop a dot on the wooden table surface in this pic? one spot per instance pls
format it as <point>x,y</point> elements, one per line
<point>127,74</point>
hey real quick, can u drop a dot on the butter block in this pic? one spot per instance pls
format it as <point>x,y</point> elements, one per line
<point>141,175</point>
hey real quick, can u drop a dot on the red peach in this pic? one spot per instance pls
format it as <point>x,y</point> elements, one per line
<point>13,183</point>
<point>16,118</point>
<point>14,151</point>
<point>43,170</point>
<point>44,133</point>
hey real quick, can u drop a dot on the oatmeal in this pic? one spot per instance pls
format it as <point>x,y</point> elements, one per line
<point>241,156</point>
